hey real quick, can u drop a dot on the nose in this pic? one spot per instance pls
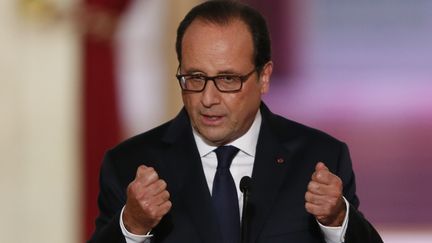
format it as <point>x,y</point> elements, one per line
<point>210,95</point>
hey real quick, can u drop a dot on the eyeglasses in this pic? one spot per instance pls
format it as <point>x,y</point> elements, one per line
<point>226,83</point>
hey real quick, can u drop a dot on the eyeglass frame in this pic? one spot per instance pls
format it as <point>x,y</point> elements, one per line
<point>242,78</point>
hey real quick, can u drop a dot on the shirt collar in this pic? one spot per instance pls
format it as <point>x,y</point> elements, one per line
<point>246,143</point>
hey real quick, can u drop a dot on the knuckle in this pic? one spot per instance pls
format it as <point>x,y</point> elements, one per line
<point>153,213</point>
<point>314,174</point>
<point>133,188</point>
<point>141,169</point>
<point>309,186</point>
<point>166,195</point>
<point>144,171</point>
<point>151,170</point>
<point>129,187</point>
<point>159,185</point>
<point>321,174</point>
<point>145,204</point>
<point>153,175</point>
<point>308,196</point>
<point>166,207</point>
<point>163,184</point>
<point>313,186</point>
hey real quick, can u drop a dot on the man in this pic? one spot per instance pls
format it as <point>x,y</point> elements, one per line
<point>169,184</point>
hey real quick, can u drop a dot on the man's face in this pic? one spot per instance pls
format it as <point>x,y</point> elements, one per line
<point>211,49</point>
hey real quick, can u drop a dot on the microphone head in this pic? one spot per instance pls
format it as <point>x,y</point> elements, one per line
<point>245,184</point>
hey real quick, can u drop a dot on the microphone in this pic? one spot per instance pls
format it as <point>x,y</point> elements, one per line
<point>245,185</point>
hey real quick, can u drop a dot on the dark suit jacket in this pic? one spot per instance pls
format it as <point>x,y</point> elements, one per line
<point>285,160</point>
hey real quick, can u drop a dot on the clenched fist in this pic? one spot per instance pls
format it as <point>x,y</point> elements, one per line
<point>147,201</point>
<point>324,197</point>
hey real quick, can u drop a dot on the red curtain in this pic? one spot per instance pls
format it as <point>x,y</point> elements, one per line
<point>101,126</point>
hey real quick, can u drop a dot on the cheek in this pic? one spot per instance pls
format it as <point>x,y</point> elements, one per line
<point>188,105</point>
<point>191,105</point>
<point>189,102</point>
<point>241,106</point>
<point>249,104</point>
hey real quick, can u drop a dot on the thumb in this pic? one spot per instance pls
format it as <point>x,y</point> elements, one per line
<point>320,166</point>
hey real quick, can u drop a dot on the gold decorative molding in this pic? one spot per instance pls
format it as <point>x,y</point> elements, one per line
<point>38,11</point>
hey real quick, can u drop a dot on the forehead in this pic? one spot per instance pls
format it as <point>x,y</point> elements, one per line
<point>231,41</point>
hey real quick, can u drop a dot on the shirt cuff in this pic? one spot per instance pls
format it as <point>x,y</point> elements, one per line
<point>133,238</point>
<point>336,234</point>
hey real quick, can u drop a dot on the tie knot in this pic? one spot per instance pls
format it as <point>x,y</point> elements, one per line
<point>225,155</point>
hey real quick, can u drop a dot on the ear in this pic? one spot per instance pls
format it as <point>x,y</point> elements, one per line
<point>265,77</point>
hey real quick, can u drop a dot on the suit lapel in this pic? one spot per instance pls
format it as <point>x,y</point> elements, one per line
<point>187,181</point>
<point>271,165</point>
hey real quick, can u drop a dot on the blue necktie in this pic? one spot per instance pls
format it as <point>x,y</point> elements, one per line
<point>224,196</point>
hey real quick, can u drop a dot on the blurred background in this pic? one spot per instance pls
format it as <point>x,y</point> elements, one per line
<point>77,77</point>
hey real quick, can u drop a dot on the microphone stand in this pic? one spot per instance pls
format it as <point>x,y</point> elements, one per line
<point>245,184</point>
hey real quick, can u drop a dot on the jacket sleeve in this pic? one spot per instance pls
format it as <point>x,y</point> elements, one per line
<point>112,198</point>
<point>359,230</point>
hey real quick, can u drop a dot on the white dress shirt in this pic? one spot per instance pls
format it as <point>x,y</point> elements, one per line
<point>241,165</point>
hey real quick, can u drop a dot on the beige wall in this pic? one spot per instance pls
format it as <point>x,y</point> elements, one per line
<point>177,11</point>
<point>39,157</point>
<point>40,160</point>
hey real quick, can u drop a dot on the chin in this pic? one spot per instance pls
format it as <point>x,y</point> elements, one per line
<point>213,137</point>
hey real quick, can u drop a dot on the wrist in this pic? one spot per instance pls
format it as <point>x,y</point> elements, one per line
<point>337,219</point>
<point>134,226</point>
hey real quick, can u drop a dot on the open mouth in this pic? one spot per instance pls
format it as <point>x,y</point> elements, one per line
<point>211,119</point>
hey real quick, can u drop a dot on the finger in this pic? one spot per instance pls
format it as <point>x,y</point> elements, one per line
<point>320,166</point>
<point>159,199</point>
<point>154,188</point>
<point>321,188</point>
<point>165,207</point>
<point>162,198</point>
<point>162,209</point>
<point>153,194</point>
<point>316,187</point>
<point>146,193</point>
<point>140,191</point>
<point>135,190</point>
<point>140,170</point>
<point>314,198</point>
<point>324,189</point>
<point>324,177</point>
<point>156,211</point>
<point>317,210</point>
<point>146,175</point>
<point>320,172</point>
<point>160,185</point>
<point>322,200</point>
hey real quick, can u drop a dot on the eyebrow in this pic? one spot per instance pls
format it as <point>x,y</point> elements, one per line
<point>194,71</point>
